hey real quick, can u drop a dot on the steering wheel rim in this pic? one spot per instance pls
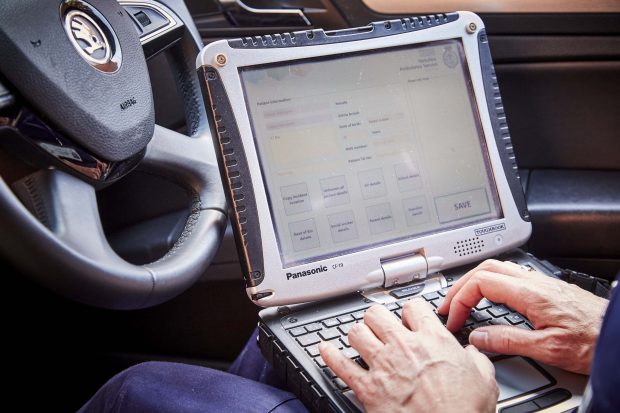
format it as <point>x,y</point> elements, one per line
<point>52,217</point>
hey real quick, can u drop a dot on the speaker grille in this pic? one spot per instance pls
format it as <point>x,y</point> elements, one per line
<point>468,246</point>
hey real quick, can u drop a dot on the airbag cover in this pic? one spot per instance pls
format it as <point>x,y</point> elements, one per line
<point>110,113</point>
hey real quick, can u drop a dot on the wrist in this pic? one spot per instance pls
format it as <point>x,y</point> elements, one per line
<point>592,332</point>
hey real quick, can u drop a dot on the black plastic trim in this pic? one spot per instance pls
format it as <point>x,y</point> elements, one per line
<point>319,37</point>
<point>576,214</point>
<point>236,178</point>
<point>500,125</point>
<point>297,379</point>
<point>560,393</point>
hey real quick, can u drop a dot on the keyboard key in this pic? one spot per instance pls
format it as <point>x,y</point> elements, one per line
<point>498,311</point>
<point>329,372</point>
<point>347,318</point>
<point>320,362</point>
<point>515,318</point>
<point>362,363</point>
<point>437,303</point>
<point>352,398</point>
<point>337,343</point>
<point>314,327</point>
<point>340,384</point>
<point>462,336</point>
<point>443,292</point>
<point>484,304</point>
<point>450,281</point>
<point>345,341</point>
<point>297,331</point>
<point>313,350</point>
<point>392,306</point>
<point>329,334</point>
<point>359,315</point>
<point>399,313</point>
<point>331,322</point>
<point>345,328</point>
<point>431,296</point>
<point>480,316</point>
<point>499,322</point>
<point>350,352</point>
<point>469,322</point>
<point>441,318</point>
<point>308,339</point>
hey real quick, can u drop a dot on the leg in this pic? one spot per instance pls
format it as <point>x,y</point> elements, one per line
<point>158,387</point>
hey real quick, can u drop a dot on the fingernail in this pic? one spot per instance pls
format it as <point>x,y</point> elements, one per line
<point>478,337</point>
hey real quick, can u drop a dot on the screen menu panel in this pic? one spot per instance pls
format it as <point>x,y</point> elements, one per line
<point>366,149</point>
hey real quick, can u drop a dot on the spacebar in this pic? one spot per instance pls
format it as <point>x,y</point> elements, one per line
<point>349,394</point>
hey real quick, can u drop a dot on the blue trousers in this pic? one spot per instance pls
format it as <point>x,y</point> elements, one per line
<point>157,387</point>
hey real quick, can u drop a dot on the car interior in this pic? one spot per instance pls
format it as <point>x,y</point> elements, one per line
<point>114,240</point>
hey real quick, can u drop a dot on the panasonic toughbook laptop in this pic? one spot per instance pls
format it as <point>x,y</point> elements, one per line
<point>363,166</point>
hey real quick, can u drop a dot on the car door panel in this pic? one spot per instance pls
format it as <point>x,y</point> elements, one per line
<point>563,115</point>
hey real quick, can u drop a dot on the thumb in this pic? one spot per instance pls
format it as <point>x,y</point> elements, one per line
<point>506,340</point>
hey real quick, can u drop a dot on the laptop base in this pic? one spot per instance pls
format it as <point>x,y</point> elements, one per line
<point>287,338</point>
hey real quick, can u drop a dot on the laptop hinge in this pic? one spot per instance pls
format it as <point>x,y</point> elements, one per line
<point>403,270</point>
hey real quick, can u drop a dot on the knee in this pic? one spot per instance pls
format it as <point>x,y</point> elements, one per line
<point>137,388</point>
<point>139,378</point>
<point>125,389</point>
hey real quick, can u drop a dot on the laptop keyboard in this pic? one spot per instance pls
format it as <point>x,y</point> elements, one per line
<point>336,329</point>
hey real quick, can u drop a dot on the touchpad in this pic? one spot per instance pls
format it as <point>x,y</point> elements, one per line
<point>516,376</point>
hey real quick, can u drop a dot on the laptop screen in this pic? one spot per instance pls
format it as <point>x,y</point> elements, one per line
<point>363,149</point>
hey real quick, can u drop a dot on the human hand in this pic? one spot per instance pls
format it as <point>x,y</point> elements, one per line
<point>416,365</point>
<point>567,318</point>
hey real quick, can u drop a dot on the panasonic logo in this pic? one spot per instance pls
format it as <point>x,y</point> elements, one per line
<point>488,230</point>
<point>305,273</point>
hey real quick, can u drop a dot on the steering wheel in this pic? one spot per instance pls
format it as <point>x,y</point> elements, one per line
<point>79,109</point>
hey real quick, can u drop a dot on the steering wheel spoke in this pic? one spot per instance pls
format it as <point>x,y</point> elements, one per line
<point>188,161</point>
<point>67,206</point>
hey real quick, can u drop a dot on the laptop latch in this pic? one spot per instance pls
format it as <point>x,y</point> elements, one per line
<point>404,269</point>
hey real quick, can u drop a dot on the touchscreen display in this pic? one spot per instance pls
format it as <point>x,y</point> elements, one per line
<point>363,149</point>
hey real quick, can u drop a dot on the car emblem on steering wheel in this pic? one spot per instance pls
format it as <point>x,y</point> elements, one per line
<point>88,38</point>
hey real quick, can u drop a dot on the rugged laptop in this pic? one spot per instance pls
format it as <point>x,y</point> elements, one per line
<point>363,166</point>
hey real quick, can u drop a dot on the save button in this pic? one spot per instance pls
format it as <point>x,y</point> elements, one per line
<point>462,205</point>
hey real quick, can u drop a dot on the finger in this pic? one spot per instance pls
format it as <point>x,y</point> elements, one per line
<point>509,340</point>
<point>501,267</point>
<point>348,370</point>
<point>383,323</point>
<point>418,315</point>
<point>496,287</point>
<point>364,341</point>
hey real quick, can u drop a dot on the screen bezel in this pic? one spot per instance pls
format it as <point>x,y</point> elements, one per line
<point>359,270</point>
